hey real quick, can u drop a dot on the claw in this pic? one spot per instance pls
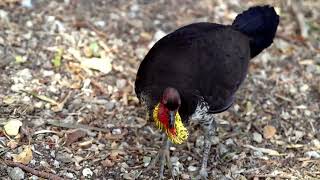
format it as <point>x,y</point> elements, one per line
<point>203,174</point>
<point>163,156</point>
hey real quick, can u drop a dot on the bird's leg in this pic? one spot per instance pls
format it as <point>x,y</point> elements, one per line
<point>163,156</point>
<point>209,130</point>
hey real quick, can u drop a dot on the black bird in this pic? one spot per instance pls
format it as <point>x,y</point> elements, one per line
<point>195,71</point>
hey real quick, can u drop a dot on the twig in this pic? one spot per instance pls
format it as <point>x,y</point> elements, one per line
<point>33,171</point>
<point>296,10</point>
<point>76,126</point>
<point>284,98</point>
<point>100,87</point>
<point>275,176</point>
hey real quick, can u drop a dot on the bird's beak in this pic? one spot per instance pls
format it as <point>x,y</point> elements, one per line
<point>171,119</point>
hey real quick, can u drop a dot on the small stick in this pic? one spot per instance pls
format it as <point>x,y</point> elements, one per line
<point>33,171</point>
<point>76,126</point>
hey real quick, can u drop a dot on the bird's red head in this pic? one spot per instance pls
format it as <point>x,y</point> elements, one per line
<point>167,117</point>
<point>169,106</point>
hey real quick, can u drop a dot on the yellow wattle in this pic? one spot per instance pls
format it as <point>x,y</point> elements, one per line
<point>181,131</point>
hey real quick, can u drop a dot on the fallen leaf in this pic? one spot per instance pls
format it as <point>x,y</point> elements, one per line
<point>12,144</point>
<point>12,127</point>
<point>101,64</point>
<point>74,136</point>
<point>269,131</point>
<point>94,47</point>
<point>107,163</point>
<point>57,58</point>
<point>270,152</point>
<point>25,156</point>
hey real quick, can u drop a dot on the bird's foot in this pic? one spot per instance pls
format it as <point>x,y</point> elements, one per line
<point>203,174</point>
<point>163,157</point>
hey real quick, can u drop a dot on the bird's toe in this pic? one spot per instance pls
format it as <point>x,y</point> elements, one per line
<point>203,174</point>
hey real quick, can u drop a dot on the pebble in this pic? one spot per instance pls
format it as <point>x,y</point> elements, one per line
<point>33,177</point>
<point>200,141</point>
<point>4,15</point>
<point>25,74</point>
<point>312,154</point>
<point>87,172</point>
<point>174,159</point>
<point>16,174</point>
<point>229,142</point>
<point>257,137</point>
<point>185,176</point>
<point>110,105</point>
<point>121,83</point>
<point>69,175</point>
<point>316,143</point>
<point>127,176</point>
<point>146,161</point>
<point>56,164</point>
<point>222,149</point>
<point>192,168</point>
<point>116,131</point>
<point>26,3</point>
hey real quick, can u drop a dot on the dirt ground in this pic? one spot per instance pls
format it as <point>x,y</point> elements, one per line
<point>67,76</point>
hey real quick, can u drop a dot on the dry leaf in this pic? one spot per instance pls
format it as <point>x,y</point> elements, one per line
<point>12,144</point>
<point>74,136</point>
<point>25,156</point>
<point>269,131</point>
<point>12,127</point>
<point>270,152</point>
<point>101,64</point>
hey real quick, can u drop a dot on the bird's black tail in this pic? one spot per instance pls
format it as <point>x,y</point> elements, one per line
<point>260,24</point>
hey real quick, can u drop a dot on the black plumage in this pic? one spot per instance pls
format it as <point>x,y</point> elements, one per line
<point>205,61</point>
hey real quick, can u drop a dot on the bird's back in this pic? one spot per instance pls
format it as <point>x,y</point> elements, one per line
<point>202,60</point>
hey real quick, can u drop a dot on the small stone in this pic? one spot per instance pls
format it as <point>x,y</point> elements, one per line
<point>107,163</point>
<point>134,8</point>
<point>200,141</point>
<point>304,88</point>
<point>127,176</point>
<point>316,143</point>
<point>222,149</point>
<point>56,164</point>
<point>100,23</point>
<point>229,142</point>
<point>116,131</point>
<point>189,158</point>
<point>257,137</point>
<point>33,177</point>
<point>312,154</point>
<point>26,3</point>
<point>16,174</point>
<point>258,153</point>
<point>29,24</point>
<point>141,52</point>
<point>192,168</point>
<point>121,83</point>
<point>215,140</point>
<point>86,172</point>
<point>110,105</point>
<point>46,73</point>
<point>174,159</point>
<point>185,176</point>
<point>25,74</point>
<point>146,161</point>
<point>69,175</point>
